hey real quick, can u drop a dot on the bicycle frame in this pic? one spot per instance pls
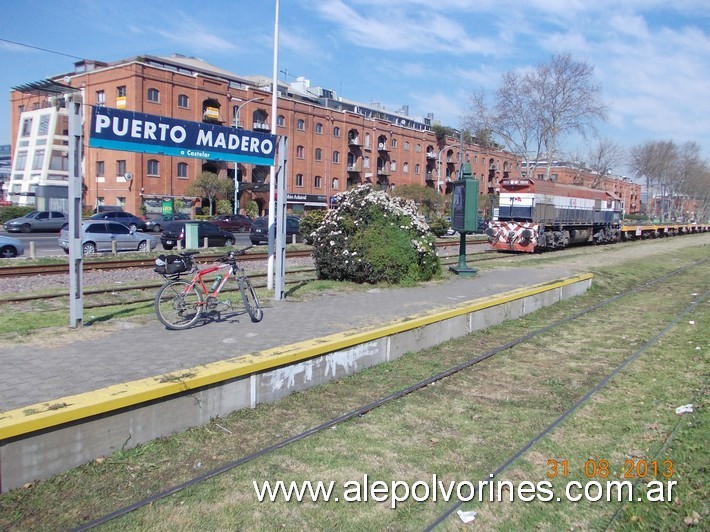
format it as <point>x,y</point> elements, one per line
<point>198,280</point>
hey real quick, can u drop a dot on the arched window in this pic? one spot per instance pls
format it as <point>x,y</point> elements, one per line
<point>317,182</point>
<point>182,170</point>
<point>153,167</point>
<point>405,168</point>
<point>319,154</point>
<point>336,157</point>
<point>319,128</point>
<point>335,183</point>
<point>299,180</point>
<point>153,95</point>
<point>301,124</point>
<point>336,131</point>
<point>183,101</point>
<point>300,152</point>
<point>280,121</point>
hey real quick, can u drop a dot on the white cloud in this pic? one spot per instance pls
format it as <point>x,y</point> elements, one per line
<point>186,27</point>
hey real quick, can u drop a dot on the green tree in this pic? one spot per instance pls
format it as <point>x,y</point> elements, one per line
<point>224,206</point>
<point>427,200</point>
<point>209,185</point>
<point>252,209</point>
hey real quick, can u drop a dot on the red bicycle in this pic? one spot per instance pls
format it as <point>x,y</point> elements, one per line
<point>179,303</point>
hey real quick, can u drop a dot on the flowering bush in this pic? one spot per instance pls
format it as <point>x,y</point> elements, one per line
<point>371,237</point>
<point>310,222</point>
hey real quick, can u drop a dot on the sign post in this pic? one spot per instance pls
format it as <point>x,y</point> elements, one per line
<point>76,264</point>
<point>280,241</point>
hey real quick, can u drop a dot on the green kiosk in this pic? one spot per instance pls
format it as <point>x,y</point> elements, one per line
<point>464,214</point>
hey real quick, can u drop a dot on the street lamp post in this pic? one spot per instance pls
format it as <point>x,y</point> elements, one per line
<point>438,167</point>
<point>236,166</point>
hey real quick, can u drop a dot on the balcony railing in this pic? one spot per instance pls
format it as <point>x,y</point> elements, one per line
<point>353,168</point>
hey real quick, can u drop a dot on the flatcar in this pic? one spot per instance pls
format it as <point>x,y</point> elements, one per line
<point>537,215</point>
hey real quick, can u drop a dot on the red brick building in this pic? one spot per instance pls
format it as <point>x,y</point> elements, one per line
<point>332,143</point>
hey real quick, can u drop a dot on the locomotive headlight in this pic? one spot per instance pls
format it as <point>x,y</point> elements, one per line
<point>527,234</point>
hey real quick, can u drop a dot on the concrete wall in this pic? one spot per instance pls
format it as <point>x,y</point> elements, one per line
<point>46,439</point>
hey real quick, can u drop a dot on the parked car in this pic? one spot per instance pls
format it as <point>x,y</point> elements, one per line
<point>236,223</point>
<point>99,235</point>
<point>126,218</point>
<point>175,232</point>
<point>158,221</point>
<point>37,221</point>
<point>10,247</point>
<point>260,229</point>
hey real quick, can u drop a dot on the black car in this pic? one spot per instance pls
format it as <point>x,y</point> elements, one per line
<point>158,221</point>
<point>260,232</point>
<point>175,232</point>
<point>126,218</point>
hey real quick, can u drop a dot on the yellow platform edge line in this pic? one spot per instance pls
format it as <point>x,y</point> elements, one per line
<point>57,412</point>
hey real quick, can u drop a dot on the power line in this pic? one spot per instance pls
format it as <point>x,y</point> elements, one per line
<point>39,48</point>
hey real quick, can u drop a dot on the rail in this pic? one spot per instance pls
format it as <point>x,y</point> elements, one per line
<point>20,270</point>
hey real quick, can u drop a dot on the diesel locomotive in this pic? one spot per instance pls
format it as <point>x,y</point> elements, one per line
<point>537,215</point>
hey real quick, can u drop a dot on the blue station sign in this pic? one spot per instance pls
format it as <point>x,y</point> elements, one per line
<point>117,129</point>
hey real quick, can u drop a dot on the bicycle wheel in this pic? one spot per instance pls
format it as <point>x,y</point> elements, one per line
<point>177,306</point>
<point>251,302</point>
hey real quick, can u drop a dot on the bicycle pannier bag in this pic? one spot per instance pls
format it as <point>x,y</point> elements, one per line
<point>172,264</point>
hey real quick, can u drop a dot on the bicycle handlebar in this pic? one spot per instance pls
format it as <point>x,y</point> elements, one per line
<point>233,253</point>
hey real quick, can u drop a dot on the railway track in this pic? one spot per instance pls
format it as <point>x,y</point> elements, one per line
<point>496,467</point>
<point>295,276</point>
<point>145,262</point>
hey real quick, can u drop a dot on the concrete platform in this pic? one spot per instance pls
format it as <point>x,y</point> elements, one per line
<point>86,397</point>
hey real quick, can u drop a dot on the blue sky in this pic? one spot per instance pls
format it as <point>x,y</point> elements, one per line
<point>652,57</point>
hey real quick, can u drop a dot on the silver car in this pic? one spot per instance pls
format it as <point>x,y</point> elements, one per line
<point>100,235</point>
<point>10,247</point>
<point>37,221</point>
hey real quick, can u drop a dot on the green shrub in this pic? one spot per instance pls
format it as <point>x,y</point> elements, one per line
<point>438,225</point>
<point>371,237</point>
<point>13,211</point>
<point>224,206</point>
<point>310,222</point>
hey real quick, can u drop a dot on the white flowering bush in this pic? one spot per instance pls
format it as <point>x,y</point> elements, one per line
<point>371,237</point>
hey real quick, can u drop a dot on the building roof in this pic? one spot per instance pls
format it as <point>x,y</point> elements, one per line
<point>45,87</point>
